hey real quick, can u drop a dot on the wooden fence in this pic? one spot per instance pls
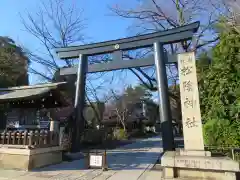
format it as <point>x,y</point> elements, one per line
<point>31,139</point>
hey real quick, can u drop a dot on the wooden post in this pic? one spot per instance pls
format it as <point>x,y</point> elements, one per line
<point>233,156</point>
<point>61,135</point>
<point>50,137</point>
<point>25,138</point>
<point>45,138</point>
<point>14,137</point>
<point>19,136</point>
<point>88,160</point>
<point>3,137</point>
<point>9,137</point>
<point>105,166</point>
<point>54,126</point>
<point>30,138</point>
<point>40,138</point>
<point>54,129</point>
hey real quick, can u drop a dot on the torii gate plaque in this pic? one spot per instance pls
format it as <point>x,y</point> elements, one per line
<point>116,47</point>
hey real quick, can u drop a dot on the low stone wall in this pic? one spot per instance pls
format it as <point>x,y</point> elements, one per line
<point>198,165</point>
<point>28,159</point>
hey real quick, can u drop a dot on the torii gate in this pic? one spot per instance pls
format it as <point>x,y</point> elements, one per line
<point>116,47</point>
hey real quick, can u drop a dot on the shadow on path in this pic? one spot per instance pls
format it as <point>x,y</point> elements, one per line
<point>115,160</point>
<point>135,156</point>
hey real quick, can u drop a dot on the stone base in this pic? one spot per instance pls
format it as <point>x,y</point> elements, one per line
<point>183,152</point>
<point>193,166</point>
<point>27,159</point>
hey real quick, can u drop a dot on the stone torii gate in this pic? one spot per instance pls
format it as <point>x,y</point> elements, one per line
<point>116,47</point>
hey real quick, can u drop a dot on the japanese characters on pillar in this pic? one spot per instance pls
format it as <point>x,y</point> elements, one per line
<point>191,115</point>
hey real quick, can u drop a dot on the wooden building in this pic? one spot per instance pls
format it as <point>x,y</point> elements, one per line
<point>25,106</point>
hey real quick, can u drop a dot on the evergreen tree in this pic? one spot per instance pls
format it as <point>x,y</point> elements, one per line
<point>13,64</point>
<point>220,92</point>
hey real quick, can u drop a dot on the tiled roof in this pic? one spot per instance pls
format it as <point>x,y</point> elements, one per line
<point>14,93</point>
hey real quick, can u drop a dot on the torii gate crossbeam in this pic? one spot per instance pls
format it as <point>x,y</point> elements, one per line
<point>116,47</point>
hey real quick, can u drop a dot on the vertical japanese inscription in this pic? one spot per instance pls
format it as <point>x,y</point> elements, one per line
<point>191,117</point>
<point>187,86</point>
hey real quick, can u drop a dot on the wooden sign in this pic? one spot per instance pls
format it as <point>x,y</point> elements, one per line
<point>97,160</point>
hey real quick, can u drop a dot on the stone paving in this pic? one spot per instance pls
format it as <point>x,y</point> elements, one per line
<point>129,162</point>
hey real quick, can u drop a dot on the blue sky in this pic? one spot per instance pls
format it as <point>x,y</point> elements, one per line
<point>101,25</point>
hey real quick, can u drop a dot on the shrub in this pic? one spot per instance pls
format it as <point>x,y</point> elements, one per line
<point>222,133</point>
<point>220,93</point>
<point>120,134</point>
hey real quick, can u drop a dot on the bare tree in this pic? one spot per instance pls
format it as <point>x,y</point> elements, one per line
<point>126,106</point>
<point>233,18</point>
<point>58,23</point>
<point>122,115</point>
<point>119,108</point>
<point>158,15</point>
<point>54,25</point>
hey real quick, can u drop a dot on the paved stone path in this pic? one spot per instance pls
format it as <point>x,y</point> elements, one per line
<point>129,162</point>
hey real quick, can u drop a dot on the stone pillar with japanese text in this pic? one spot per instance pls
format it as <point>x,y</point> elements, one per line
<point>193,162</point>
<point>191,115</point>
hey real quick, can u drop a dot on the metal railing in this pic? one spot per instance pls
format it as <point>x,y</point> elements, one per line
<point>232,152</point>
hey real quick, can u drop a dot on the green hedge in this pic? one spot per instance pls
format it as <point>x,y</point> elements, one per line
<point>120,134</point>
<point>222,133</point>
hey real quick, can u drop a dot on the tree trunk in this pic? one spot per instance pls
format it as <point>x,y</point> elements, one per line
<point>124,127</point>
